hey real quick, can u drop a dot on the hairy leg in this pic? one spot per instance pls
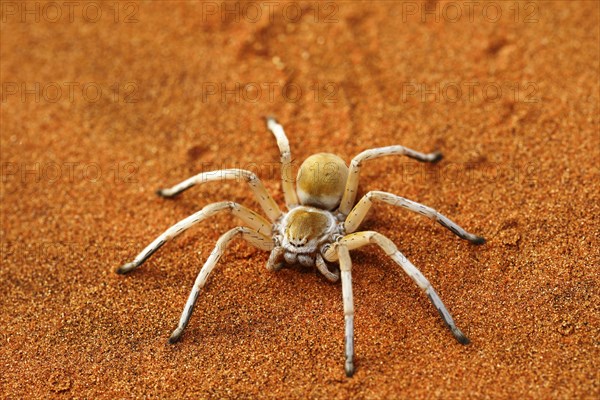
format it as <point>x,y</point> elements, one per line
<point>287,178</point>
<point>359,212</point>
<point>262,196</point>
<point>251,218</point>
<point>258,240</point>
<point>359,239</point>
<point>346,271</point>
<point>356,163</point>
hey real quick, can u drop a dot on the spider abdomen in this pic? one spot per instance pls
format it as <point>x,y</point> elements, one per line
<point>321,181</point>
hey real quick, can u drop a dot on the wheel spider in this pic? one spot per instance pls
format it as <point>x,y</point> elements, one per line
<point>319,228</point>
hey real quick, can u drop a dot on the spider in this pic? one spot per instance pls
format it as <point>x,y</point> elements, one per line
<point>317,230</point>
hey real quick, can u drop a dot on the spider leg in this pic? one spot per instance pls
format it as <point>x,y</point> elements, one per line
<point>258,240</point>
<point>346,271</point>
<point>359,212</point>
<point>352,182</point>
<point>359,239</point>
<point>262,196</point>
<point>287,179</point>
<point>255,221</point>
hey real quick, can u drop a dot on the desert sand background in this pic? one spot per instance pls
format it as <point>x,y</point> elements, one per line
<point>103,103</point>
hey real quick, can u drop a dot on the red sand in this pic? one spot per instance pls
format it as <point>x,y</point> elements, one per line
<point>79,174</point>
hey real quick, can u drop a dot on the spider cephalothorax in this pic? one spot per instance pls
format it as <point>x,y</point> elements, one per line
<point>302,232</point>
<point>319,228</point>
<point>307,229</point>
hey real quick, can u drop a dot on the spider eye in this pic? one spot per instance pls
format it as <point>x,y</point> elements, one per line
<point>297,242</point>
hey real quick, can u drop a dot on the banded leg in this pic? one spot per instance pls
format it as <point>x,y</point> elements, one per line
<point>352,182</point>
<point>251,218</point>
<point>346,271</point>
<point>359,239</point>
<point>253,237</point>
<point>359,212</point>
<point>287,178</point>
<point>262,196</point>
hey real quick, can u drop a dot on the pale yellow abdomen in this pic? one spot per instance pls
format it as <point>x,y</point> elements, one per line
<point>321,181</point>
